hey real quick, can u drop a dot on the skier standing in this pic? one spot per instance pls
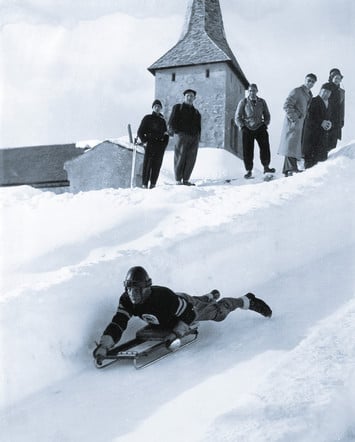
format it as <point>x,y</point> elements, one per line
<point>153,131</point>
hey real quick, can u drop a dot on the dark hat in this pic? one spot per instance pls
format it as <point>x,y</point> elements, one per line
<point>157,102</point>
<point>327,86</point>
<point>190,91</point>
<point>314,76</point>
<point>333,72</point>
<point>253,85</point>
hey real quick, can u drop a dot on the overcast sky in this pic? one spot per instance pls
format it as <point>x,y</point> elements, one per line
<point>76,70</point>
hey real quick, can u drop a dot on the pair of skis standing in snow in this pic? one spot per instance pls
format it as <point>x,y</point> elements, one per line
<point>172,319</point>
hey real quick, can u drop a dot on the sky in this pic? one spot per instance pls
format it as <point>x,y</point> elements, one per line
<point>291,241</point>
<point>72,71</point>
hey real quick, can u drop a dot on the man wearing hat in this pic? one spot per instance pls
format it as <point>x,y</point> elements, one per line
<point>153,131</point>
<point>295,108</point>
<point>185,124</point>
<point>337,108</point>
<point>316,128</point>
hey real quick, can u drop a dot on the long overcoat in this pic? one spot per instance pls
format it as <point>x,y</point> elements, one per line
<point>337,113</point>
<point>295,106</point>
<point>314,136</point>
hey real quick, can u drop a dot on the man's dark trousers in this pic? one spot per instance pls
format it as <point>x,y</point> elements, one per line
<point>186,147</point>
<point>153,158</point>
<point>262,137</point>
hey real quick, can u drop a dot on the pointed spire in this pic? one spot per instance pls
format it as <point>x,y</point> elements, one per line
<point>204,16</point>
<point>202,40</point>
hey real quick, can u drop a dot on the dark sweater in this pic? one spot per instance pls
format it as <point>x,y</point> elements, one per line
<point>163,308</point>
<point>152,128</point>
<point>185,118</point>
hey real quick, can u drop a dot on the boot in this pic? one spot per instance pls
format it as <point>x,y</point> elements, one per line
<point>187,183</point>
<point>214,295</point>
<point>251,302</point>
<point>268,169</point>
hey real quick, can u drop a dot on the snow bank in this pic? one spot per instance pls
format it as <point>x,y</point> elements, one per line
<point>290,240</point>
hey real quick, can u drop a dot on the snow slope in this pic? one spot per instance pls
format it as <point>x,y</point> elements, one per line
<point>291,241</point>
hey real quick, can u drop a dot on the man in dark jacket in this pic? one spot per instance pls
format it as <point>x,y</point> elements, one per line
<point>185,124</point>
<point>175,312</point>
<point>316,127</point>
<point>153,131</point>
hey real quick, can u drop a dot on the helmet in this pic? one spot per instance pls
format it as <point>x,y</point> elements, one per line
<point>137,277</point>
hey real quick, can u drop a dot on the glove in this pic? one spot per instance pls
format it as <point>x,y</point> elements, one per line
<point>173,342</point>
<point>106,342</point>
<point>181,329</point>
<point>100,353</point>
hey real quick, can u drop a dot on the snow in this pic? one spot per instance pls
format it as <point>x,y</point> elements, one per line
<point>291,241</point>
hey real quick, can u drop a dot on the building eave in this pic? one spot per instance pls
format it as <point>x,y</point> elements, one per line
<point>235,69</point>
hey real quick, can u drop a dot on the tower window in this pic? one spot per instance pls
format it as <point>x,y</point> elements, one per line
<point>173,76</point>
<point>207,73</point>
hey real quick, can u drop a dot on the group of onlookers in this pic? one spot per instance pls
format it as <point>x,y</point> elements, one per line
<point>312,125</point>
<point>311,129</point>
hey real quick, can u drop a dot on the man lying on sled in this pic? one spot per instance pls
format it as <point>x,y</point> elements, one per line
<point>164,309</point>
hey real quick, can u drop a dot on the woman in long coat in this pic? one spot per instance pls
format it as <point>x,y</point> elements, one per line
<point>337,108</point>
<point>295,106</point>
<point>316,128</point>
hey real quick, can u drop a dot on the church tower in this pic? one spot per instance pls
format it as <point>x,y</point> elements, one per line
<point>202,60</point>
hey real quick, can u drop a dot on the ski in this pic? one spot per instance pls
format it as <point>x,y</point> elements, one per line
<point>212,182</point>
<point>134,154</point>
<point>268,176</point>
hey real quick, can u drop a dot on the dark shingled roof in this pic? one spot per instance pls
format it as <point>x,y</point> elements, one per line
<point>38,166</point>
<point>203,41</point>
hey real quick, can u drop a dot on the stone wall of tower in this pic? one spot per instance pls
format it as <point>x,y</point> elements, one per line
<point>218,93</point>
<point>235,91</point>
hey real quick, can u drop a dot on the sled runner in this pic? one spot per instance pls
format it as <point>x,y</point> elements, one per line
<point>149,345</point>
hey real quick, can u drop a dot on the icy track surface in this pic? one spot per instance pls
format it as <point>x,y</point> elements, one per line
<point>290,241</point>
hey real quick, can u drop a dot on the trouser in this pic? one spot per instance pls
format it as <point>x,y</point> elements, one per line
<point>153,158</point>
<point>209,310</point>
<point>262,137</point>
<point>290,165</point>
<point>314,155</point>
<point>333,136</point>
<point>310,159</point>
<point>185,155</point>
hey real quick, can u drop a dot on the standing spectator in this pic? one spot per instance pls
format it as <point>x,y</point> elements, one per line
<point>295,106</point>
<point>185,124</point>
<point>253,117</point>
<point>316,128</point>
<point>337,108</point>
<point>153,131</point>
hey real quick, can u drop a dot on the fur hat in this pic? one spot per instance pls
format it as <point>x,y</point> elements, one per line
<point>189,91</point>
<point>333,72</point>
<point>157,102</point>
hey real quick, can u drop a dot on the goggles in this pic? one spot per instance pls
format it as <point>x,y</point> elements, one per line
<point>135,284</point>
